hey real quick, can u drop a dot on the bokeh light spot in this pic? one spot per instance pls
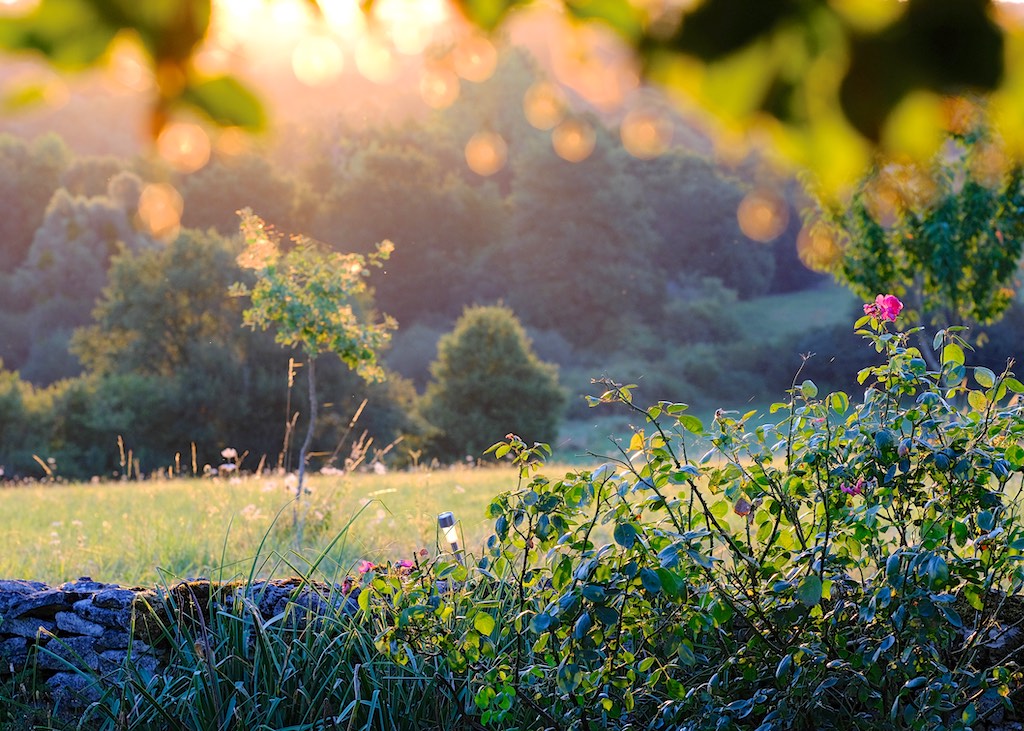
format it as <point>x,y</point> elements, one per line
<point>817,248</point>
<point>486,153</point>
<point>573,140</point>
<point>160,209</point>
<point>475,58</point>
<point>317,60</point>
<point>646,133</point>
<point>763,215</point>
<point>439,88</point>
<point>185,147</point>
<point>375,60</point>
<point>544,105</point>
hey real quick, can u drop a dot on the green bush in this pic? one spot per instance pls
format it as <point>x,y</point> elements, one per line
<point>487,382</point>
<point>847,566</point>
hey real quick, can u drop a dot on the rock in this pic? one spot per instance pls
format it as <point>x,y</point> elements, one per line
<point>113,659</point>
<point>28,627</point>
<point>42,603</point>
<point>83,588</point>
<point>14,591</point>
<point>115,618</point>
<point>73,690</point>
<point>72,623</point>
<point>13,653</point>
<point>113,639</point>
<point>114,598</point>
<point>69,652</point>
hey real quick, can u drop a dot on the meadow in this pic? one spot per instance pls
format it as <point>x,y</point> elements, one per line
<point>141,533</point>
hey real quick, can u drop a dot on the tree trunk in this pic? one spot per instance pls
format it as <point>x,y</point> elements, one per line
<point>304,451</point>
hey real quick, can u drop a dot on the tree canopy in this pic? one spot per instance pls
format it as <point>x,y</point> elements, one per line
<point>829,81</point>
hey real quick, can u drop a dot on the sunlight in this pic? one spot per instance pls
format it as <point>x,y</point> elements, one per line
<point>486,153</point>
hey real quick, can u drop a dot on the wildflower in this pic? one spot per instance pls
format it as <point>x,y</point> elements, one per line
<point>229,453</point>
<point>855,489</point>
<point>366,567</point>
<point>886,308</point>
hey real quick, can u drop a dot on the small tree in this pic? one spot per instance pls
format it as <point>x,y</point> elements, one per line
<point>310,296</point>
<point>948,240</point>
<point>488,382</point>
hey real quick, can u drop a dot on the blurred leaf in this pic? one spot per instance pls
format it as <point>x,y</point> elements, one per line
<point>226,101</point>
<point>621,15</point>
<point>717,28</point>
<point>487,14</point>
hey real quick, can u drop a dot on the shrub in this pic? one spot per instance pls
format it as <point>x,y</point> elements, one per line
<point>487,382</point>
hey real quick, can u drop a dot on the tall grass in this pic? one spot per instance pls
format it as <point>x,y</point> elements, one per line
<point>135,533</point>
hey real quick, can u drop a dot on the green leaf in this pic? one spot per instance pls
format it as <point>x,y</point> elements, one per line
<point>977,400</point>
<point>809,591</point>
<point>650,580</point>
<point>984,377</point>
<point>1014,385</point>
<point>808,389</point>
<point>839,402</point>
<point>691,423</point>
<point>227,102</point>
<point>625,535</point>
<point>953,353</point>
<point>483,623</point>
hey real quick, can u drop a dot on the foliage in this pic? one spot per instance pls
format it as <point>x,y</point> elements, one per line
<point>64,272</point>
<point>309,296</point>
<point>840,566</point>
<point>950,243</point>
<point>833,80</point>
<point>486,382</point>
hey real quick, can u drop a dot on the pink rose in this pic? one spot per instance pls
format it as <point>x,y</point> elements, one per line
<point>855,489</point>
<point>885,307</point>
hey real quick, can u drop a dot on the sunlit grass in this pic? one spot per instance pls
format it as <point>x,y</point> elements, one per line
<point>138,533</point>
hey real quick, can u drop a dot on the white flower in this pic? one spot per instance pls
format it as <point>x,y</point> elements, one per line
<point>379,468</point>
<point>229,453</point>
<point>291,481</point>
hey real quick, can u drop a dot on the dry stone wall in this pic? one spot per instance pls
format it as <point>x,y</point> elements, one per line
<point>86,625</point>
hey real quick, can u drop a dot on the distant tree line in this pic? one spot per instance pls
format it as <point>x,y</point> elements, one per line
<point>111,332</point>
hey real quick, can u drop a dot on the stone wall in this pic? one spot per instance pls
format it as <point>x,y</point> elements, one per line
<point>93,626</point>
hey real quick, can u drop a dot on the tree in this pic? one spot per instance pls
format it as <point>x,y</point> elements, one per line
<point>580,258</point>
<point>29,175</point>
<point>64,272</point>
<point>487,382</point>
<point>310,297</point>
<point>948,240</point>
<point>830,81</point>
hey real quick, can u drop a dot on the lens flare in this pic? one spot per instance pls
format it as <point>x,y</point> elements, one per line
<point>544,105</point>
<point>486,153</point>
<point>439,88</point>
<point>817,248</point>
<point>375,60</point>
<point>160,209</point>
<point>185,147</point>
<point>646,133</point>
<point>762,215</point>
<point>573,140</point>
<point>475,58</point>
<point>317,60</point>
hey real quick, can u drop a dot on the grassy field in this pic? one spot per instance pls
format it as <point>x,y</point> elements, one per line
<point>138,533</point>
<point>788,314</point>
